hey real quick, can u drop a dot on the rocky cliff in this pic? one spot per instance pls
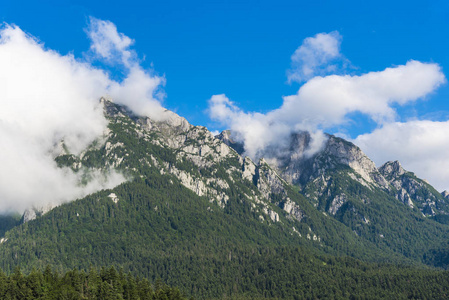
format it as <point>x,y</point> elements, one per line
<point>413,191</point>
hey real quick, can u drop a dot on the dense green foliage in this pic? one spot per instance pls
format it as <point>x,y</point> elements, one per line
<point>8,222</point>
<point>161,230</point>
<point>380,218</point>
<point>106,284</point>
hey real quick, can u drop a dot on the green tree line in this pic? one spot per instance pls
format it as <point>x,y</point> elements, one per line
<point>104,284</point>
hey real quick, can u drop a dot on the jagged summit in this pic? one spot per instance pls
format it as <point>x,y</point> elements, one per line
<point>167,117</point>
<point>315,172</point>
<point>392,169</point>
<point>226,137</point>
<point>414,191</point>
<point>445,194</point>
<point>299,162</point>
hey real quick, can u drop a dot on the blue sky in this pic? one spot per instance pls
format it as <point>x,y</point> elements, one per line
<point>242,50</point>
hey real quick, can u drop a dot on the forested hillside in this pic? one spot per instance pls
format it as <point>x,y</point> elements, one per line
<point>200,217</point>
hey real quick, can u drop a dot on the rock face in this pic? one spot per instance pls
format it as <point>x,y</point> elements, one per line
<point>298,167</point>
<point>348,154</point>
<point>33,213</point>
<point>392,169</point>
<point>316,174</point>
<point>393,172</point>
<point>413,191</point>
<point>209,166</point>
<point>225,137</point>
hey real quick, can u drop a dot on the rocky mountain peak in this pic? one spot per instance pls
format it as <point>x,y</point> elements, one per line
<point>445,194</point>
<point>174,120</point>
<point>324,169</point>
<point>299,166</point>
<point>392,169</point>
<point>346,153</point>
<point>414,191</point>
<point>167,121</point>
<point>226,137</point>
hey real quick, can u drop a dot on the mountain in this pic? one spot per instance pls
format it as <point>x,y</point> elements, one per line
<point>413,191</point>
<point>388,206</point>
<point>200,215</point>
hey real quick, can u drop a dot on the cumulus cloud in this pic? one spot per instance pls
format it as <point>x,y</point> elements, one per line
<point>420,145</point>
<point>140,90</point>
<point>324,102</point>
<point>260,133</point>
<point>46,98</point>
<point>318,55</point>
<point>109,44</point>
<point>254,129</point>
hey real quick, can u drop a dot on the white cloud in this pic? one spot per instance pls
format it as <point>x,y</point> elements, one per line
<point>261,134</point>
<point>253,129</point>
<point>46,97</point>
<point>139,90</point>
<point>318,55</point>
<point>108,43</point>
<point>420,146</point>
<point>324,102</point>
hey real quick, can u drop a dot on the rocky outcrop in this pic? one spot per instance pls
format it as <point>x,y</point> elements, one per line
<point>391,170</point>
<point>248,169</point>
<point>314,173</point>
<point>337,203</point>
<point>293,210</point>
<point>33,213</point>
<point>226,138</point>
<point>413,191</point>
<point>348,154</point>
<point>445,194</point>
<point>393,173</point>
<point>200,161</point>
<point>297,167</point>
<point>113,197</point>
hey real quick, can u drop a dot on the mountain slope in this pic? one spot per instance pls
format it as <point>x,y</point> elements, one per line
<point>202,217</point>
<point>387,206</point>
<point>414,191</point>
<point>188,159</point>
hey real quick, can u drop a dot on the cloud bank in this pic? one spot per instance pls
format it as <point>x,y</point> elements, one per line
<point>327,102</point>
<point>46,97</point>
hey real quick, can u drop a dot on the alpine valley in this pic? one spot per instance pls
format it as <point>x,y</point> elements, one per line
<point>198,214</point>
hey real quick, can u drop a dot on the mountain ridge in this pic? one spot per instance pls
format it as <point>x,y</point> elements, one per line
<point>191,196</point>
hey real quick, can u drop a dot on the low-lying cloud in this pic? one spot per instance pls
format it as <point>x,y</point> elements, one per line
<point>46,97</point>
<point>325,102</point>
